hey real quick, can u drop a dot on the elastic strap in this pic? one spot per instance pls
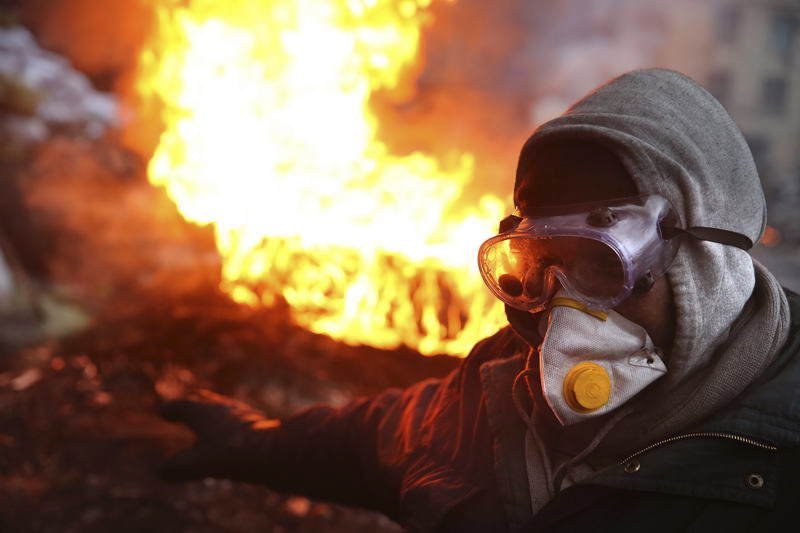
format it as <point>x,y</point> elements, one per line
<point>701,233</point>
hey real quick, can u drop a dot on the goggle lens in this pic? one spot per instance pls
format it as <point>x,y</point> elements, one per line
<point>518,267</point>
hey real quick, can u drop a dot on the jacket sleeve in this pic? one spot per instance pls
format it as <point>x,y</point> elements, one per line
<point>412,454</point>
<point>330,453</point>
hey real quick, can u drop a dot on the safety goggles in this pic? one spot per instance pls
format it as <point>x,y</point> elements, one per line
<point>600,253</point>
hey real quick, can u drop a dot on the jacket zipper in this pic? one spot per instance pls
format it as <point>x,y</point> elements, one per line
<point>702,435</point>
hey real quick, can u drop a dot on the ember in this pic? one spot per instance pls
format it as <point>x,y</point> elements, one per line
<point>270,137</point>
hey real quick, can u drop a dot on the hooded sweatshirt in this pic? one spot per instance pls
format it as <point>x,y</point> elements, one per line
<point>676,140</point>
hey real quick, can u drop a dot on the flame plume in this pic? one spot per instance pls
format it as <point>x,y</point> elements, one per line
<point>269,136</point>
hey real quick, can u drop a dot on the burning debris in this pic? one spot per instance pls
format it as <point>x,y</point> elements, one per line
<point>80,438</point>
<point>269,136</point>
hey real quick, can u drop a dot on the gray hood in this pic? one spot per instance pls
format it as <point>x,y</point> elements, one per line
<point>676,140</point>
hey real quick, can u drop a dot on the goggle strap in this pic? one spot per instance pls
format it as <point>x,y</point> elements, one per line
<point>701,233</point>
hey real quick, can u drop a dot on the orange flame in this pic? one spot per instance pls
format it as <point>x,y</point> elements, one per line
<point>270,137</point>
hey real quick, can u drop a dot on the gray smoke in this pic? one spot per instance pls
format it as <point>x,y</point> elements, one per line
<point>50,96</point>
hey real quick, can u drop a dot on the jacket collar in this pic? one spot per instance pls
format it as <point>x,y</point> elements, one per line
<point>769,409</point>
<point>708,460</point>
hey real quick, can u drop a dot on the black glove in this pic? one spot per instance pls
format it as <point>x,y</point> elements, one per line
<point>232,438</point>
<point>322,452</point>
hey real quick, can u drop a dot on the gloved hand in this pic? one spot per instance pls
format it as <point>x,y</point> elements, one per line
<point>321,452</point>
<point>232,438</point>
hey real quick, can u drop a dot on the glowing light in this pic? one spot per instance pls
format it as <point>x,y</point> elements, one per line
<point>269,136</point>
<point>771,237</point>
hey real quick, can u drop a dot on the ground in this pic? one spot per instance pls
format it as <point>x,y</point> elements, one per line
<point>80,435</point>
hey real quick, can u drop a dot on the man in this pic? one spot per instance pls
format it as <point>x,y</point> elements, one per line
<point>648,379</point>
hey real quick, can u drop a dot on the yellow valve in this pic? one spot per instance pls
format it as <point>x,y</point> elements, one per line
<point>587,387</point>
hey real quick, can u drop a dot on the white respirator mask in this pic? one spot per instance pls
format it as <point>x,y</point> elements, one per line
<point>592,362</point>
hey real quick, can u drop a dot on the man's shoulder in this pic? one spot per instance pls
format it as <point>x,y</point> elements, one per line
<point>769,409</point>
<point>503,344</point>
<point>791,347</point>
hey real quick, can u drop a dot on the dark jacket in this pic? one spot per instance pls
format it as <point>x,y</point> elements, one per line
<point>448,455</point>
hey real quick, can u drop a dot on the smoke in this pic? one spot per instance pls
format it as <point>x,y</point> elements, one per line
<point>495,70</point>
<point>593,42</point>
<point>48,96</point>
<point>491,71</point>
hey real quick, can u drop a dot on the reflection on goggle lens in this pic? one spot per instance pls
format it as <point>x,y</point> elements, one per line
<point>597,252</point>
<point>510,285</point>
<point>521,265</point>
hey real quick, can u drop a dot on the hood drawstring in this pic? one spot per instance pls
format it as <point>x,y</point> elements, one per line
<point>555,480</point>
<point>529,423</point>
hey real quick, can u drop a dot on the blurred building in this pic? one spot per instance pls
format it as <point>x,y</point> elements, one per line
<point>755,73</point>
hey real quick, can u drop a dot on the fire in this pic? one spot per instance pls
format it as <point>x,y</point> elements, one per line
<point>269,136</point>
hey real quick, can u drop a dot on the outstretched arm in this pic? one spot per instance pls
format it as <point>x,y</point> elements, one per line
<point>422,455</point>
<point>322,452</point>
